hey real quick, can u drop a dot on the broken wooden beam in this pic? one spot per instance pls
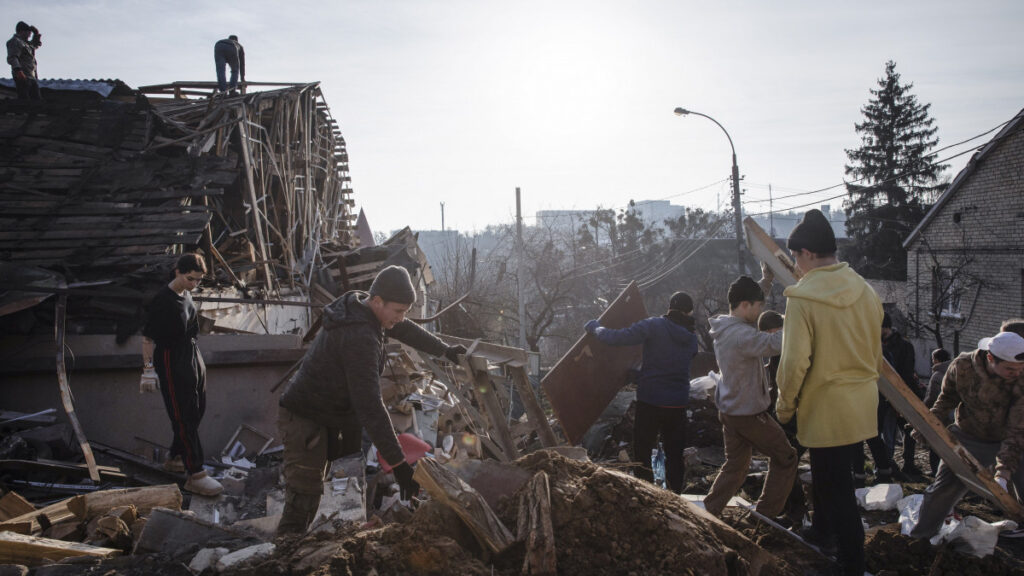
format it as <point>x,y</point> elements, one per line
<point>41,519</point>
<point>34,551</point>
<point>13,505</point>
<point>144,499</point>
<point>448,489</point>
<point>535,529</point>
<point>538,419</point>
<point>65,390</point>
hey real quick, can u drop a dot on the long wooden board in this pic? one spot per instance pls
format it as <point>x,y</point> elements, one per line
<point>975,476</point>
<point>586,379</point>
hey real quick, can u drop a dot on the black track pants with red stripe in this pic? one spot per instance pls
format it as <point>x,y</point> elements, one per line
<point>182,376</point>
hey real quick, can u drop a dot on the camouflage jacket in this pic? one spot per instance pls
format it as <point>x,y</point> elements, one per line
<point>988,408</point>
<point>21,54</point>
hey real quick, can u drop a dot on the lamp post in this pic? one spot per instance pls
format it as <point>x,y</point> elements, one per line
<point>737,214</point>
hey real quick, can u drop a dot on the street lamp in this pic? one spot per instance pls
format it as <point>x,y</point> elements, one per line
<point>735,188</point>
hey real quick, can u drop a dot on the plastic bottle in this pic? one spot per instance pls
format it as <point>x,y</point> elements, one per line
<point>658,465</point>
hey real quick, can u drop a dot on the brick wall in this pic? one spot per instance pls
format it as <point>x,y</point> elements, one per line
<point>980,228</point>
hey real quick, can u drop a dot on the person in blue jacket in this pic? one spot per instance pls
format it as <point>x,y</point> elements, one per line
<point>663,385</point>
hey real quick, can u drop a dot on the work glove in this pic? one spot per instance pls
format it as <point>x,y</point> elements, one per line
<point>149,381</point>
<point>453,352</point>
<point>407,486</point>
<point>20,75</point>
<point>591,326</point>
<point>1001,481</point>
<point>767,273</point>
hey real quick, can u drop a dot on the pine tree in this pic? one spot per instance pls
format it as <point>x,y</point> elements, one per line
<point>895,177</point>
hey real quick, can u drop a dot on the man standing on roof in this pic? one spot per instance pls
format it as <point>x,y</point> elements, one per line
<point>21,55</point>
<point>663,386</point>
<point>228,52</point>
<point>336,392</point>
<point>828,373</point>
<point>985,390</point>
<point>744,401</point>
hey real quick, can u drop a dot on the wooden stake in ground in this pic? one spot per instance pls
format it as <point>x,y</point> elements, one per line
<point>975,476</point>
<point>535,529</point>
<point>448,489</point>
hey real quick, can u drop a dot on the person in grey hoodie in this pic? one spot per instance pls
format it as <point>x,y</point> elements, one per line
<point>744,401</point>
<point>336,393</point>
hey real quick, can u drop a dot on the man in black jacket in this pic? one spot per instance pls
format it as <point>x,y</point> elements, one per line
<point>336,392</point>
<point>900,352</point>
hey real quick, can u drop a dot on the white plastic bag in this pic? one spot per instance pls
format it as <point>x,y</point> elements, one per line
<point>704,387</point>
<point>973,535</point>
<point>879,497</point>
<point>910,512</point>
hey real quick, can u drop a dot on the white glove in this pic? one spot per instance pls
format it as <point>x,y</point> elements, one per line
<point>149,381</point>
<point>1001,481</point>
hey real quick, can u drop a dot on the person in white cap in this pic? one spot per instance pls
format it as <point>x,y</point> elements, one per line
<point>985,389</point>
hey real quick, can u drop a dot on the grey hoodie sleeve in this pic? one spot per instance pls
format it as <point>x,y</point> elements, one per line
<point>757,343</point>
<point>360,355</point>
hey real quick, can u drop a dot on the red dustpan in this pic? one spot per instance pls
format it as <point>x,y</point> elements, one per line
<point>412,446</point>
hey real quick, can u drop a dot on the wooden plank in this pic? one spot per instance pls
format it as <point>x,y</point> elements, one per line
<point>144,499</point>
<point>41,519</point>
<point>496,353</point>
<point>449,490</point>
<point>976,477</point>
<point>13,505</point>
<point>65,389</point>
<point>586,379</point>
<point>34,551</point>
<point>490,408</point>
<point>538,419</point>
<point>535,529</point>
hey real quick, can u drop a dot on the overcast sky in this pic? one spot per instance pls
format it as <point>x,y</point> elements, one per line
<point>462,101</point>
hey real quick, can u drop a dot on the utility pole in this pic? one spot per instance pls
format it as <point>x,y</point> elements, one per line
<point>442,216</point>
<point>771,215</point>
<point>737,208</point>
<point>520,270</point>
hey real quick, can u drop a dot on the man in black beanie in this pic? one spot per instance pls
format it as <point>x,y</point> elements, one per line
<point>663,385</point>
<point>828,373</point>
<point>336,393</point>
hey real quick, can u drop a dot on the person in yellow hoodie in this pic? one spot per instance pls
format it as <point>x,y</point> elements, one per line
<point>828,374</point>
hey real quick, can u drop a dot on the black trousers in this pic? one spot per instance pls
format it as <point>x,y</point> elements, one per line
<point>182,376</point>
<point>28,89</point>
<point>835,505</point>
<point>670,423</point>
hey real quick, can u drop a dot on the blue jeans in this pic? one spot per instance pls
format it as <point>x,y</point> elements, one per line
<point>225,54</point>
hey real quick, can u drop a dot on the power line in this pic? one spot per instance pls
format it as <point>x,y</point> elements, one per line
<point>944,148</point>
<point>875,185</point>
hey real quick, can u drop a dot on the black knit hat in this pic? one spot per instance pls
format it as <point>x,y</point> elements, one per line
<point>744,289</point>
<point>813,233</point>
<point>681,301</point>
<point>21,27</point>
<point>393,284</point>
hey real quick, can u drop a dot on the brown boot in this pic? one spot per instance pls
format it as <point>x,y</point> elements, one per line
<point>299,511</point>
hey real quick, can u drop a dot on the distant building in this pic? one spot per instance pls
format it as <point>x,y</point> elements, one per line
<point>784,222</point>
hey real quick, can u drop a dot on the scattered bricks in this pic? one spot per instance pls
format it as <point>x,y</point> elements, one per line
<point>245,555</point>
<point>206,558</point>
